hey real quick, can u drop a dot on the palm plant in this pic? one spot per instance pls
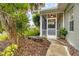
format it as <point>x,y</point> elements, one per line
<point>63,33</point>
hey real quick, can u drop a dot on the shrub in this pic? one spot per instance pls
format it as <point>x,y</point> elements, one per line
<point>3,36</point>
<point>21,22</point>
<point>63,32</point>
<point>9,51</point>
<point>36,19</point>
<point>32,32</point>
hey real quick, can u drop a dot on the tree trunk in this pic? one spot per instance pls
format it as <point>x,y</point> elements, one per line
<point>9,26</point>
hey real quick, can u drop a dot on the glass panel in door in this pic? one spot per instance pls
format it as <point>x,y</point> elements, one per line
<point>51,27</point>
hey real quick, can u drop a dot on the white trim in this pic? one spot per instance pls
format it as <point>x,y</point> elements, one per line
<point>47,27</point>
<point>40,25</point>
<point>56,25</point>
<point>63,19</point>
<point>55,36</point>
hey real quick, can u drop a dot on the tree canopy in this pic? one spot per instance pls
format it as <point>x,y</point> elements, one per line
<point>18,12</point>
<point>15,18</point>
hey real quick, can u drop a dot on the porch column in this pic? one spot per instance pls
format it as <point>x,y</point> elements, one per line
<point>40,25</point>
<point>56,25</point>
<point>63,19</point>
<point>47,27</point>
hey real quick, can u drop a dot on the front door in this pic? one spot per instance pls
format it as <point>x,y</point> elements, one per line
<point>51,28</point>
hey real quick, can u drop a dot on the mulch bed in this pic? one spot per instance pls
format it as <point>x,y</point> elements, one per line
<point>4,44</point>
<point>72,50</point>
<point>30,47</point>
<point>37,47</point>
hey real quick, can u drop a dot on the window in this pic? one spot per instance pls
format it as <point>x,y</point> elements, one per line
<point>71,23</point>
<point>51,23</point>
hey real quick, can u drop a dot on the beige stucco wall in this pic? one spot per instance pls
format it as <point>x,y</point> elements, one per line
<point>73,36</point>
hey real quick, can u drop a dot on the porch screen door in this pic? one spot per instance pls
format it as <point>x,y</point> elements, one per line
<point>51,31</point>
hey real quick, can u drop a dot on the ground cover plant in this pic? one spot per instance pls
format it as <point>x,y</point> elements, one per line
<point>3,36</point>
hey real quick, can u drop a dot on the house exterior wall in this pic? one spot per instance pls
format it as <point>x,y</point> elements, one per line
<point>59,25</point>
<point>73,36</point>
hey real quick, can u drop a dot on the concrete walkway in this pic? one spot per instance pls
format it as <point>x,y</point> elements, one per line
<point>56,49</point>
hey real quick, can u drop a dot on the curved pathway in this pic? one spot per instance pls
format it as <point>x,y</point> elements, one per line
<point>57,49</point>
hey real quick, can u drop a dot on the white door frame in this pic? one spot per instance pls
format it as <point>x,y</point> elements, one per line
<point>52,36</point>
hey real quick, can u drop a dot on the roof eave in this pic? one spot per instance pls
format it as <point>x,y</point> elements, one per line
<point>60,8</point>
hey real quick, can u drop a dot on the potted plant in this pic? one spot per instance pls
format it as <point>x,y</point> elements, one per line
<point>62,33</point>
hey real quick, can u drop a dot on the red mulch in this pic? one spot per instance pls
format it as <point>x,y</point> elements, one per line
<point>72,50</point>
<point>29,47</point>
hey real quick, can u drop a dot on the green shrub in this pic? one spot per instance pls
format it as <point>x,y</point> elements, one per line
<point>32,32</point>
<point>9,51</point>
<point>63,32</point>
<point>3,36</point>
<point>21,22</point>
<point>36,19</point>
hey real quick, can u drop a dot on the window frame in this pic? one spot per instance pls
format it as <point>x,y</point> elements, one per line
<point>71,28</point>
<point>71,20</point>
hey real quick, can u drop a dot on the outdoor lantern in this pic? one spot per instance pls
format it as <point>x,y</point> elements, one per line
<point>51,15</point>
